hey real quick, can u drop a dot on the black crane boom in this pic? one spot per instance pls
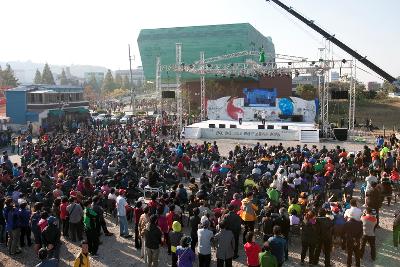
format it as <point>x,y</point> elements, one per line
<point>340,44</point>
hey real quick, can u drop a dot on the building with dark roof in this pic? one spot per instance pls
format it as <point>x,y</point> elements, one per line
<point>45,105</point>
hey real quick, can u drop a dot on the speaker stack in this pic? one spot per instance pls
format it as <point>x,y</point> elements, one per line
<point>340,133</point>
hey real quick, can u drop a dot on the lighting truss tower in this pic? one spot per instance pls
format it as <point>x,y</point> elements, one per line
<point>179,110</point>
<point>202,88</point>
<point>253,69</point>
<point>158,82</point>
<point>352,96</point>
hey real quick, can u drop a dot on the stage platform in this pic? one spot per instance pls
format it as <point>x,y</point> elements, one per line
<point>272,130</point>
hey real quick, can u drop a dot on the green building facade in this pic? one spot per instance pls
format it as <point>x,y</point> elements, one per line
<point>214,40</point>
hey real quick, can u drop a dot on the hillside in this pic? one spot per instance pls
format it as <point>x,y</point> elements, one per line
<point>382,112</point>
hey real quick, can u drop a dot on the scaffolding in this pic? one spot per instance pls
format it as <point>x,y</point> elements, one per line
<point>252,69</point>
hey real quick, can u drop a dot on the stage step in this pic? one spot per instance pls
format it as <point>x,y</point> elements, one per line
<point>309,136</point>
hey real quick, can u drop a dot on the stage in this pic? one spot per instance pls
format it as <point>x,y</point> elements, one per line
<point>273,130</point>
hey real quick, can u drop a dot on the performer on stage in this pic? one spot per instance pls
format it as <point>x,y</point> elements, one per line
<point>240,117</point>
<point>263,116</point>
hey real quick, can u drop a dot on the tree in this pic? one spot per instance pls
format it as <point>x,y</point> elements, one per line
<point>108,83</point>
<point>7,77</point>
<point>89,94</point>
<point>93,82</point>
<point>47,75</point>
<point>63,78</point>
<point>388,87</point>
<point>118,81</point>
<point>125,82</point>
<point>38,77</point>
<point>306,91</point>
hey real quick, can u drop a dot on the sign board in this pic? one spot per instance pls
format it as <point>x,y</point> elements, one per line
<point>253,134</point>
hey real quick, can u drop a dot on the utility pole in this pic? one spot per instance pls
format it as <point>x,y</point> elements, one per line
<point>131,83</point>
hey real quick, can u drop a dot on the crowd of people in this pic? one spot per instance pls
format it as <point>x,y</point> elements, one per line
<point>251,202</point>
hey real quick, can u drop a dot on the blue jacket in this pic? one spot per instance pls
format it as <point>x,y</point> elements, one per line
<point>11,216</point>
<point>24,216</point>
<point>278,246</point>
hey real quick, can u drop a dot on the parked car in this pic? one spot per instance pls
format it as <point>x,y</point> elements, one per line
<point>125,119</point>
<point>103,117</point>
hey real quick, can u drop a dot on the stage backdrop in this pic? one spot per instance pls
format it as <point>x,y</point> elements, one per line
<point>228,108</point>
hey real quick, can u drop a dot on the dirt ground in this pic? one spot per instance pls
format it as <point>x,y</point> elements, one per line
<point>116,251</point>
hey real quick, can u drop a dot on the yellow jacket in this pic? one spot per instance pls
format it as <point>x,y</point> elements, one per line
<point>82,260</point>
<point>248,210</point>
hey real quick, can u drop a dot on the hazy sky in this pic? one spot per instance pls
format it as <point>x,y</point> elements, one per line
<point>98,32</point>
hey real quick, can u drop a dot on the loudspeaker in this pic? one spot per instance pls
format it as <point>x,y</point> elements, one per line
<point>222,126</point>
<point>211,125</point>
<point>336,94</point>
<point>261,126</point>
<point>340,133</point>
<point>297,118</point>
<point>232,126</point>
<point>168,94</point>
<point>285,127</point>
<point>270,127</point>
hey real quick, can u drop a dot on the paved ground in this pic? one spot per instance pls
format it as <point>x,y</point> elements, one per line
<point>116,251</point>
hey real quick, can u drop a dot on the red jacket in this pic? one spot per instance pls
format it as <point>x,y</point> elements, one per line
<point>252,249</point>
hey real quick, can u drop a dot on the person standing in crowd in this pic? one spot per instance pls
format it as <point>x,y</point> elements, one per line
<point>91,222</point>
<point>184,253</point>
<point>51,236</point>
<point>324,227</point>
<point>121,205</point>
<point>82,260</point>
<point>278,245</point>
<point>144,220</point>
<point>35,218</point>
<point>205,237</point>
<point>252,249</point>
<point>75,215</point>
<point>153,238</point>
<point>225,242</point>
<point>12,227</point>
<point>96,207</point>
<point>233,223</point>
<point>308,238</point>
<point>137,211</point>
<point>24,217</point>
<point>353,212</point>
<point>373,200</point>
<point>175,237</point>
<point>64,216</point>
<point>369,222</point>
<point>353,231</point>
<point>45,261</point>
<point>248,214</point>
<point>266,258</point>
<point>396,229</point>
<point>194,222</point>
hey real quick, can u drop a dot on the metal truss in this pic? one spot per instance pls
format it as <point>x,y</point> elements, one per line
<point>179,110</point>
<point>253,69</point>
<point>202,88</point>
<point>352,97</point>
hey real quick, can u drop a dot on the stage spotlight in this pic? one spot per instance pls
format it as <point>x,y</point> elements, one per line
<point>232,64</point>
<point>297,73</point>
<point>264,64</point>
<point>312,62</point>
<point>344,61</point>
<point>191,66</point>
<point>289,63</point>
<point>209,65</point>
